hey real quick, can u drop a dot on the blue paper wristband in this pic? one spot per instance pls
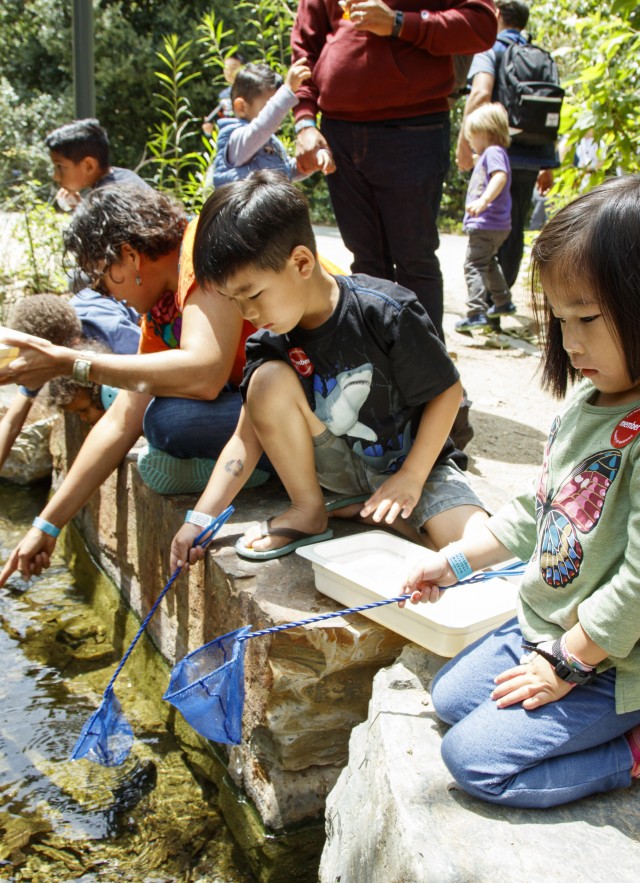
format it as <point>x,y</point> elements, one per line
<point>459,564</point>
<point>46,526</point>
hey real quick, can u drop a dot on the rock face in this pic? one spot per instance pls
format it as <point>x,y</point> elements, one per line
<point>395,815</point>
<point>306,688</point>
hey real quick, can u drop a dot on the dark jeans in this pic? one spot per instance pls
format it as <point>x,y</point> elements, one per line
<point>510,254</point>
<point>386,194</point>
<point>188,428</point>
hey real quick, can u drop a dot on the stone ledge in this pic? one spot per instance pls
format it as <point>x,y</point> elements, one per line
<point>305,688</point>
<point>396,815</point>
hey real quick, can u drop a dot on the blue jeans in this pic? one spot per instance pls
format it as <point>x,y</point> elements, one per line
<point>188,428</point>
<point>561,752</point>
<point>386,194</point>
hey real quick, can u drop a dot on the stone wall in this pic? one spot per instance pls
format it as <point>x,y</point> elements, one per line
<point>306,688</point>
<point>396,816</point>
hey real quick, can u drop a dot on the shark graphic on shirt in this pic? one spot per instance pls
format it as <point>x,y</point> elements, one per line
<point>339,408</point>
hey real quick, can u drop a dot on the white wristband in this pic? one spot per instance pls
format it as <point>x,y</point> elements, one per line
<point>199,518</point>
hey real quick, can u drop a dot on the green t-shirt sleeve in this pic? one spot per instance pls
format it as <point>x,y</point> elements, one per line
<point>515,525</point>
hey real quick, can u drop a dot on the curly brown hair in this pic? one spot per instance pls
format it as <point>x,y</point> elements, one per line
<point>110,217</point>
<point>46,315</point>
<point>63,390</point>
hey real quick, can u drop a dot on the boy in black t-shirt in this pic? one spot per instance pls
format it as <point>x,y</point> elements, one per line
<point>347,385</point>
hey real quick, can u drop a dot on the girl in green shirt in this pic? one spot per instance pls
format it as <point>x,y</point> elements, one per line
<point>547,709</point>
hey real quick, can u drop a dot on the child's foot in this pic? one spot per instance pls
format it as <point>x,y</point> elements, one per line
<point>502,310</point>
<point>633,738</point>
<point>311,523</point>
<point>475,322</point>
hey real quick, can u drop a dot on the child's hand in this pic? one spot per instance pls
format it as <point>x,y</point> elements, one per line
<point>325,161</point>
<point>532,684</point>
<point>397,495</point>
<point>183,553</point>
<point>31,556</point>
<point>476,207</point>
<point>67,200</point>
<point>424,581</point>
<point>207,128</point>
<point>297,74</point>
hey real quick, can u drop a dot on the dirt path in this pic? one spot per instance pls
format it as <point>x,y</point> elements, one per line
<point>510,414</point>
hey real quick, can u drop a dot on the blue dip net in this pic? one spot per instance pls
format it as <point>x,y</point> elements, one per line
<point>207,687</point>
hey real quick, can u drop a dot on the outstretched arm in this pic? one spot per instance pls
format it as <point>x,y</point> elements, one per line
<point>12,422</point>
<point>233,467</point>
<point>103,450</point>
<point>199,369</point>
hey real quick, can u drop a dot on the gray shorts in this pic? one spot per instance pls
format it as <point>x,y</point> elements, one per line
<point>342,471</point>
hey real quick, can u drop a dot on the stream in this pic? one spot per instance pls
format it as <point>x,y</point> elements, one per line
<point>151,820</point>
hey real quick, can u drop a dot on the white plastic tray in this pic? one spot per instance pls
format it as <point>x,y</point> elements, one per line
<point>372,565</point>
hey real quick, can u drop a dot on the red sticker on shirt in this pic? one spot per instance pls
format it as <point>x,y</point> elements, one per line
<point>627,429</point>
<point>300,361</point>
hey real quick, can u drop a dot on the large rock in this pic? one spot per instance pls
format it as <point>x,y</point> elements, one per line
<point>396,816</point>
<point>305,688</point>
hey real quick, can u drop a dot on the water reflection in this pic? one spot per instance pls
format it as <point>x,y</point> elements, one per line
<point>61,820</point>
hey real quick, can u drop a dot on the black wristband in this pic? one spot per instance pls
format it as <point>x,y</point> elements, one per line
<point>557,663</point>
<point>397,24</point>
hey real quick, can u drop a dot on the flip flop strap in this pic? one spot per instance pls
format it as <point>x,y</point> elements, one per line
<point>289,533</point>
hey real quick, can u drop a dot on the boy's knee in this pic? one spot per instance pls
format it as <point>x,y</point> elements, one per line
<point>273,385</point>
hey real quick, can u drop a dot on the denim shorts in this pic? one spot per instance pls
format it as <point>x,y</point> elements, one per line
<point>343,472</point>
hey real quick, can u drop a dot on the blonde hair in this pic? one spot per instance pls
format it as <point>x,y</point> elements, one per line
<point>492,120</point>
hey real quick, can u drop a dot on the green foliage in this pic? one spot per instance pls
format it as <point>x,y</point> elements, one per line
<point>178,166</point>
<point>34,261</point>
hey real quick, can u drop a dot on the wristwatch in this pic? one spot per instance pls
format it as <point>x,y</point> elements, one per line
<point>397,24</point>
<point>564,671</point>
<point>81,369</point>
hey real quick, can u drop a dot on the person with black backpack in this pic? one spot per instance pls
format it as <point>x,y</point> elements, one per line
<point>524,79</point>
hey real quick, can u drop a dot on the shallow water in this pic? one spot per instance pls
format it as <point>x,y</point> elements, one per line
<point>150,819</point>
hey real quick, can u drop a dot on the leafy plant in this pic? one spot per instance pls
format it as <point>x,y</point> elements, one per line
<point>33,264</point>
<point>179,166</point>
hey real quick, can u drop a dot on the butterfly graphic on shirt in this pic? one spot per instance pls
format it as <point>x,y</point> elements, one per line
<point>575,507</point>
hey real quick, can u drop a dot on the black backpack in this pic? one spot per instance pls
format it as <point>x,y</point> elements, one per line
<point>527,84</point>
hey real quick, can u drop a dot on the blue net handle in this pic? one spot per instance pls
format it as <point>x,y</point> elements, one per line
<point>203,539</point>
<point>515,569</point>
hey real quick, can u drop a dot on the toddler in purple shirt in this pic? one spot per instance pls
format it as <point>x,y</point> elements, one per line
<point>487,218</point>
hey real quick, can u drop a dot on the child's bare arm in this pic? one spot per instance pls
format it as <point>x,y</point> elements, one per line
<point>297,74</point>
<point>494,188</point>
<point>400,493</point>
<point>12,423</point>
<point>233,467</point>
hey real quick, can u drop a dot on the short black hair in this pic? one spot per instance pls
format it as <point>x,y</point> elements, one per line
<point>254,222</point>
<point>79,139</point>
<point>254,80</point>
<point>595,240</point>
<point>515,13</point>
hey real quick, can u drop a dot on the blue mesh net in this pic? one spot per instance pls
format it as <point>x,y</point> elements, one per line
<point>107,737</point>
<point>207,688</point>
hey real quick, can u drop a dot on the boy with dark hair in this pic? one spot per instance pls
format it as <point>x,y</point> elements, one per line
<point>247,142</point>
<point>79,152</point>
<point>347,385</point>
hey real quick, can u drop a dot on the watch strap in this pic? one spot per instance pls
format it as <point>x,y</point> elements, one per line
<point>397,24</point>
